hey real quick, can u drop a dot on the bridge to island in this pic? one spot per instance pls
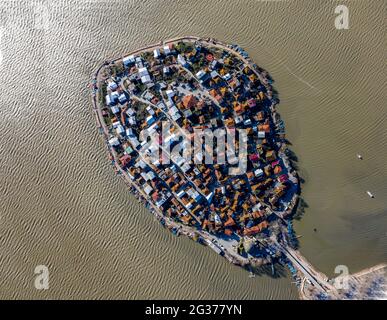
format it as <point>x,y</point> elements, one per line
<point>303,266</point>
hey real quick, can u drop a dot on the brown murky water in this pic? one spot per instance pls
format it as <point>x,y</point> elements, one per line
<point>61,204</point>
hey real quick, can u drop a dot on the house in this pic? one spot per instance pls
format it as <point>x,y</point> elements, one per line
<point>115,110</point>
<point>187,113</point>
<point>151,175</point>
<point>174,112</point>
<point>134,141</point>
<point>256,229</point>
<point>277,169</point>
<point>264,127</point>
<point>170,94</point>
<point>112,99</point>
<point>162,85</point>
<point>228,232</point>
<point>238,109</point>
<point>125,159</point>
<point>122,98</point>
<point>167,50</point>
<point>130,132</point>
<point>182,61</point>
<point>252,103</point>
<point>148,96</point>
<point>258,172</point>
<point>189,101</point>
<point>227,77</point>
<point>108,100</point>
<point>283,178</point>
<point>254,157</point>
<point>138,62</point>
<point>129,61</point>
<point>166,70</point>
<point>202,76</point>
<point>156,53</point>
<point>112,85</point>
<point>150,110</point>
<point>180,194</point>
<point>214,64</point>
<point>270,155</point>
<point>120,129</point>
<point>214,74</point>
<point>144,75</point>
<point>114,142</point>
<point>128,150</point>
<point>209,57</point>
<point>274,163</point>
<point>150,120</point>
<point>230,222</point>
<point>148,189</point>
<point>247,122</point>
<point>115,124</point>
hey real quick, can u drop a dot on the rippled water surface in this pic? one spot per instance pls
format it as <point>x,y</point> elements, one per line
<point>61,204</point>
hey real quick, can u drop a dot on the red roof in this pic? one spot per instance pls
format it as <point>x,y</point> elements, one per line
<point>274,163</point>
<point>254,157</point>
<point>189,101</point>
<point>125,159</point>
<point>209,57</point>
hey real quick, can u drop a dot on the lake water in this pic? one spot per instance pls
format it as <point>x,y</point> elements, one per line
<point>61,204</point>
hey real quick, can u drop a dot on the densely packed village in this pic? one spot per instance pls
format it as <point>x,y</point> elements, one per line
<point>204,85</point>
<point>193,86</point>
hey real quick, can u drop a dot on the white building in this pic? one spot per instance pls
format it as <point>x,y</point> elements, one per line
<point>181,60</point>
<point>258,172</point>
<point>166,70</point>
<point>129,60</point>
<point>200,74</point>
<point>114,142</point>
<point>120,129</point>
<point>167,50</point>
<point>112,85</point>
<point>156,53</point>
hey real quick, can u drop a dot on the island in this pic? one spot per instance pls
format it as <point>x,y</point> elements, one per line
<point>191,126</point>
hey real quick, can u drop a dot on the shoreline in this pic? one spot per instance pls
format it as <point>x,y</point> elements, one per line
<point>209,239</point>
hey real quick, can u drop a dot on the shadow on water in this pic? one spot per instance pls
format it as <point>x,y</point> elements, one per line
<point>300,211</point>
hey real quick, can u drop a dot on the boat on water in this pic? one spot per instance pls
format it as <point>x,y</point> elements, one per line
<point>370,194</point>
<point>359,156</point>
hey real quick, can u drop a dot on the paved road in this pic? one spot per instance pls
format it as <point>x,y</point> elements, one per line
<point>303,266</point>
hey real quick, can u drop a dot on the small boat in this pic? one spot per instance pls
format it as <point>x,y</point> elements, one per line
<point>370,194</point>
<point>359,157</point>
